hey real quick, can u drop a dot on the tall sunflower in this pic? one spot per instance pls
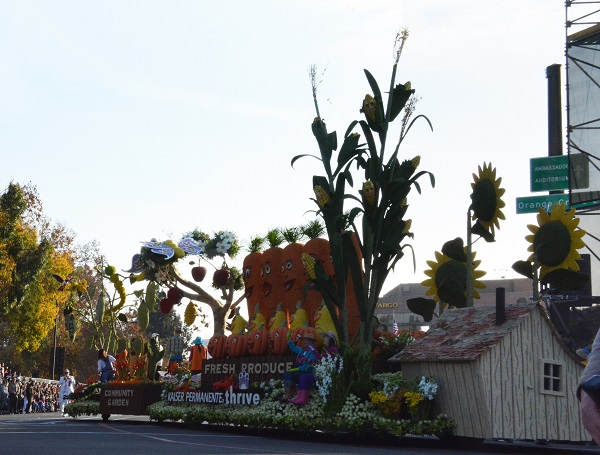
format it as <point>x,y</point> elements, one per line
<point>487,198</point>
<point>555,240</point>
<point>447,280</point>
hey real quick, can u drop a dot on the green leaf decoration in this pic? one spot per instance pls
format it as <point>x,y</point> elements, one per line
<point>373,84</point>
<point>332,140</point>
<point>297,157</point>
<point>324,141</point>
<point>349,150</point>
<point>322,182</point>
<point>399,98</point>
<point>524,268</point>
<point>480,230</point>
<point>422,306</point>
<point>455,249</point>
<point>100,306</point>
<point>377,123</point>
<point>453,293</point>
<point>352,258</point>
<point>566,280</point>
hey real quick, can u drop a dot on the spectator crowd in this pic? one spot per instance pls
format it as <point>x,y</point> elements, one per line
<point>19,394</point>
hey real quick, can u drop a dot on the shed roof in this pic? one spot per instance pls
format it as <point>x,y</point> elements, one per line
<point>463,334</point>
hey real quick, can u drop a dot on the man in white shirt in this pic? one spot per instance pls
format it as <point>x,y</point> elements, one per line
<point>66,386</point>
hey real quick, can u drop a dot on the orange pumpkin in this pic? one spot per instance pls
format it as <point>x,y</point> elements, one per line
<point>272,281</point>
<point>258,341</point>
<point>217,346</point>
<point>237,345</point>
<point>278,340</point>
<point>252,280</point>
<point>301,331</point>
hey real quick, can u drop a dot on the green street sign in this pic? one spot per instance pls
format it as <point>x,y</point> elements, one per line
<point>549,173</point>
<point>552,172</point>
<point>531,204</point>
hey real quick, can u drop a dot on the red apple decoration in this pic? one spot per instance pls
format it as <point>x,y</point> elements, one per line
<point>175,295</point>
<point>221,277</point>
<point>166,305</point>
<point>198,273</point>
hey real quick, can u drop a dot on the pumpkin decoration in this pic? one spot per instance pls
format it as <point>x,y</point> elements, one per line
<point>278,338</point>
<point>279,318</point>
<point>217,346</point>
<point>299,318</point>
<point>257,319</point>
<point>272,280</point>
<point>258,341</point>
<point>252,280</point>
<point>298,333</point>
<point>237,345</point>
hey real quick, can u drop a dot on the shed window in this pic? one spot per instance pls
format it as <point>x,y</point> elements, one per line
<point>553,377</point>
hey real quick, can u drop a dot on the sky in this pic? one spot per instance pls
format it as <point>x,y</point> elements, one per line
<point>147,119</point>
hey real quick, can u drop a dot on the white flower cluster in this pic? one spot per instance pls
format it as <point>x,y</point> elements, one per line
<point>356,410</point>
<point>323,371</point>
<point>428,388</point>
<point>225,242</point>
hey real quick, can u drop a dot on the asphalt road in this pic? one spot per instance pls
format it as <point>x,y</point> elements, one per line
<point>52,435</point>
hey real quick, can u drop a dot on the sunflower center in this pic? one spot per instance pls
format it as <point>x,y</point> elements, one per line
<point>451,270</point>
<point>552,243</point>
<point>484,200</point>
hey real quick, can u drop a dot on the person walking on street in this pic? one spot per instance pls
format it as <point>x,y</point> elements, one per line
<point>28,396</point>
<point>66,386</point>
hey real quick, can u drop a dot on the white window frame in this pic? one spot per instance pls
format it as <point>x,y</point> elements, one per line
<point>561,377</point>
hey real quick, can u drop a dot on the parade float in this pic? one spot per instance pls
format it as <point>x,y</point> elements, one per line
<point>330,284</point>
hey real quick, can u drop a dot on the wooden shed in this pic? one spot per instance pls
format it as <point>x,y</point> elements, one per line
<point>516,380</point>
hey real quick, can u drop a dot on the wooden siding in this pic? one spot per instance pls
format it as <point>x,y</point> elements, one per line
<point>519,409</point>
<point>499,395</point>
<point>459,390</point>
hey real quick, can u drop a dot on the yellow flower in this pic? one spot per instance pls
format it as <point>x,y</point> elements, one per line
<point>413,399</point>
<point>555,240</point>
<point>378,397</point>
